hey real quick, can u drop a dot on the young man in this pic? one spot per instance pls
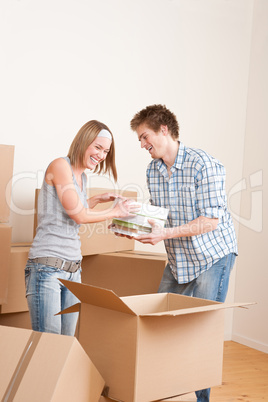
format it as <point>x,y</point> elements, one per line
<point>199,236</point>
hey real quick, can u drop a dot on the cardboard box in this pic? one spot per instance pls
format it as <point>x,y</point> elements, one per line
<point>45,367</point>
<point>6,165</point>
<point>139,224</point>
<point>5,242</point>
<point>150,347</point>
<point>180,398</point>
<point>16,300</point>
<point>97,238</point>
<point>126,273</point>
<point>16,320</point>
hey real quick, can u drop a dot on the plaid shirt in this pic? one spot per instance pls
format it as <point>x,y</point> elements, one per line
<point>195,188</point>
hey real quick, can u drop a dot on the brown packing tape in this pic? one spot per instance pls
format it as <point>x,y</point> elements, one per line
<point>26,245</point>
<point>105,391</point>
<point>22,367</point>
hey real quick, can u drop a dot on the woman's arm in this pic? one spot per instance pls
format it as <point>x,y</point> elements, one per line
<point>59,175</point>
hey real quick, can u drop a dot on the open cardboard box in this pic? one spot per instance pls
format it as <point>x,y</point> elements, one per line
<point>45,367</point>
<point>153,346</point>
<point>189,397</point>
<point>180,398</point>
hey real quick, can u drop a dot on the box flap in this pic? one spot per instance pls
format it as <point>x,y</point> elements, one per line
<point>73,309</point>
<point>44,367</point>
<point>59,370</point>
<point>193,310</point>
<point>97,296</point>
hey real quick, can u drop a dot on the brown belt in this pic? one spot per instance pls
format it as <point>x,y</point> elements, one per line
<point>69,266</point>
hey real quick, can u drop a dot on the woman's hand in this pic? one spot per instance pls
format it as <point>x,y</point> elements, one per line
<point>106,197</point>
<point>125,208</point>
<point>101,198</point>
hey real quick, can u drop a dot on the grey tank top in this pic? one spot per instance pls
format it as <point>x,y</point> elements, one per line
<point>57,234</point>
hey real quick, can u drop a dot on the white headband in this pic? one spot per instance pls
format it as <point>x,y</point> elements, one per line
<point>105,133</point>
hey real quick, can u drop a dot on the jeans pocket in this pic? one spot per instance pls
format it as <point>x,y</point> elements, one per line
<point>27,276</point>
<point>47,268</point>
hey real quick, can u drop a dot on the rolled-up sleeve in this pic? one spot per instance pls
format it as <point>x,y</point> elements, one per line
<point>210,192</point>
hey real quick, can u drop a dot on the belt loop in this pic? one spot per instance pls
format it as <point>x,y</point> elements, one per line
<point>62,265</point>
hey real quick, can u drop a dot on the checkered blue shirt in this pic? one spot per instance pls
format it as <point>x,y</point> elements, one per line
<point>195,188</point>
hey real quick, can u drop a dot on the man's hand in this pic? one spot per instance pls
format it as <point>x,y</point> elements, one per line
<point>157,234</point>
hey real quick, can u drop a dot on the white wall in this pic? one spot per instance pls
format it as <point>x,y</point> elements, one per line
<point>66,62</point>
<point>250,327</point>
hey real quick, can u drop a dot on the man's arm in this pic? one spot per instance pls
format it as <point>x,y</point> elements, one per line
<point>196,227</point>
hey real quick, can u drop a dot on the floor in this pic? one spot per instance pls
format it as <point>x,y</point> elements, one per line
<point>245,376</point>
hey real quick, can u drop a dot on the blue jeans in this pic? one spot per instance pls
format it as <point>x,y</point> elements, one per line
<point>211,284</point>
<point>46,296</point>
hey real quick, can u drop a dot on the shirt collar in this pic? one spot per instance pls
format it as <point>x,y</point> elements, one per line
<point>178,164</point>
<point>178,161</point>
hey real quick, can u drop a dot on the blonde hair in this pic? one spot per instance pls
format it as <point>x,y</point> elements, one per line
<point>85,136</point>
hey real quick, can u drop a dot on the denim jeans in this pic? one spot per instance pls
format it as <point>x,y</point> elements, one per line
<point>211,284</point>
<point>47,296</point>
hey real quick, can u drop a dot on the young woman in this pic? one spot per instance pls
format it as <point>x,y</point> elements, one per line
<point>62,208</point>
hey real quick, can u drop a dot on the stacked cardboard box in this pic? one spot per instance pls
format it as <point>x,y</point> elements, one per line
<point>6,166</point>
<point>15,311</point>
<point>5,244</point>
<point>126,272</point>
<point>13,305</point>
<point>16,301</point>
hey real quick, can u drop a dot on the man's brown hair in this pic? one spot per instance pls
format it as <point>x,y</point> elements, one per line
<point>154,117</point>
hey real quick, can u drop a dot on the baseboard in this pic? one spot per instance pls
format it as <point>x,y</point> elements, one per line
<point>228,336</point>
<point>250,343</point>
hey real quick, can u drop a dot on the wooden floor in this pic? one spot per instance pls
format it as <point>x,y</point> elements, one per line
<point>245,376</point>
